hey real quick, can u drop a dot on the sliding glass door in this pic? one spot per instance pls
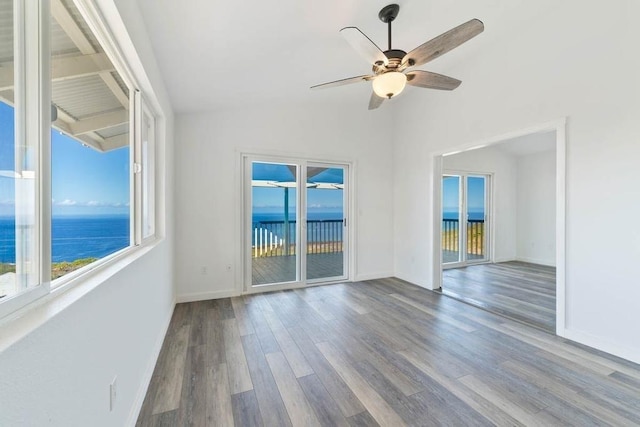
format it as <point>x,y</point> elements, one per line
<point>325,203</point>
<point>296,222</point>
<point>465,202</point>
<point>274,223</point>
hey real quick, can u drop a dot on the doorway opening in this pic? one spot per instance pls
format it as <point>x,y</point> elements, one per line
<point>513,263</point>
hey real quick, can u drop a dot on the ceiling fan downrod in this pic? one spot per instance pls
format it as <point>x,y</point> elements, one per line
<point>387,15</point>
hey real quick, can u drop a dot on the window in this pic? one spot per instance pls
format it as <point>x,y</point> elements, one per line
<point>68,153</point>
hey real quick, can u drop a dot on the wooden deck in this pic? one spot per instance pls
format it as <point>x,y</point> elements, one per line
<point>380,352</point>
<point>279,269</point>
<point>518,290</point>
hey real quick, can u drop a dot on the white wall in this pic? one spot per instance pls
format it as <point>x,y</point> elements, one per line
<point>536,218</point>
<point>208,184</point>
<point>493,160</point>
<point>59,374</point>
<point>546,71</point>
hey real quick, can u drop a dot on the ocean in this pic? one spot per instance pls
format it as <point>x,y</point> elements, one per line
<point>474,215</point>
<point>74,237</point>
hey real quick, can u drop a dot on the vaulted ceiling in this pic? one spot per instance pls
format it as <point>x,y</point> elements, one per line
<point>218,54</point>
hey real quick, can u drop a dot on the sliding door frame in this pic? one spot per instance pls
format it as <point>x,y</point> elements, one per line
<point>301,235</point>
<point>463,206</point>
<point>346,222</point>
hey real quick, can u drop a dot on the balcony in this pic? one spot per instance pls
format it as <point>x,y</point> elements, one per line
<point>273,250</point>
<point>451,240</point>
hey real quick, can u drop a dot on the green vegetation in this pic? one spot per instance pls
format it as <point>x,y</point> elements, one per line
<point>7,268</point>
<point>58,269</point>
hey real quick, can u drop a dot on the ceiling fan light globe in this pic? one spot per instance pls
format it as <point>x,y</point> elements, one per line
<point>389,84</point>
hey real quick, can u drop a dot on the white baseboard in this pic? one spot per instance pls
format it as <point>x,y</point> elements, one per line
<point>415,281</point>
<point>372,276</point>
<point>503,259</point>
<point>631,354</point>
<point>538,261</point>
<point>148,372</point>
<point>202,296</point>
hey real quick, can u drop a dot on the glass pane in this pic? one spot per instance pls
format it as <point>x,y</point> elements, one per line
<point>90,173</point>
<point>475,218</point>
<point>273,223</point>
<point>451,219</point>
<point>18,161</point>
<point>325,215</point>
<point>148,162</point>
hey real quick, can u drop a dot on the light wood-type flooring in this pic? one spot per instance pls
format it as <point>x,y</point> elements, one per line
<point>521,291</point>
<point>380,352</point>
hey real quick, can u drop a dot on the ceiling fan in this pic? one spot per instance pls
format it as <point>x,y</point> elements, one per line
<point>390,67</point>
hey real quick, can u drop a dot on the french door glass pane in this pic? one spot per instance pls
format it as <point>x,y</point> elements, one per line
<point>476,199</point>
<point>274,254</point>
<point>451,219</point>
<point>325,216</point>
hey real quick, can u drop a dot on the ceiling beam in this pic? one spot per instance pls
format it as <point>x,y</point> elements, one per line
<point>96,123</point>
<point>75,33</point>
<point>116,141</point>
<point>64,68</point>
<point>90,139</point>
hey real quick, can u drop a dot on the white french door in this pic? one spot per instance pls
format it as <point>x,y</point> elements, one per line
<point>465,225</point>
<point>295,225</point>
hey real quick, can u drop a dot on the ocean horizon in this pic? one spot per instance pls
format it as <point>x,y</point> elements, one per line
<point>74,237</point>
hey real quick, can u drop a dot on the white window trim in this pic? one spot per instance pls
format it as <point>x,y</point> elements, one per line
<point>33,115</point>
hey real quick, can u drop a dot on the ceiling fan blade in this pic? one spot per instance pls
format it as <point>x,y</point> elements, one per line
<point>364,45</point>
<point>443,43</point>
<point>375,101</point>
<point>343,82</point>
<point>431,80</point>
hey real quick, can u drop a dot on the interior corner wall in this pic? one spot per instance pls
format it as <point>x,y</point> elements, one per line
<point>59,374</point>
<point>502,167</point>
<point>536,196</point>
<point>208,186</point>
<point>544,72</point>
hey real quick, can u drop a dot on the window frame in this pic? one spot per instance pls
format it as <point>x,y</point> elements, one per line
<point>144,166</point>
<point>32,87</point>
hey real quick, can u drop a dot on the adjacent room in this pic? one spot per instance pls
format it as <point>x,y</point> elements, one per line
<point>319,213</point>
<point>504,258</point>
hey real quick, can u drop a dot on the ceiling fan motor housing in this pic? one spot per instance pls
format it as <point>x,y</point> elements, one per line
<point>395,57</point>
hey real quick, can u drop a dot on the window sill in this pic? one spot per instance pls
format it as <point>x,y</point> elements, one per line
<point>64,293</point>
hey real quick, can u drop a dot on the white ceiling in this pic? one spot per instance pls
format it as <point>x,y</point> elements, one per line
<point>216,54</point>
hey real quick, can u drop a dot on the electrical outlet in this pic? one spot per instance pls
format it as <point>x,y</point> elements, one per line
<point>113,393</point>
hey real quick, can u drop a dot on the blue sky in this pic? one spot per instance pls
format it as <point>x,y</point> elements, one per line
<point>272,199</point>
<point>451,194</point>
<point>84,181</point>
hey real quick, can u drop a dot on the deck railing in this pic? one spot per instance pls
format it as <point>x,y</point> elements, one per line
<point>475,236</point>
<point>277,238</point>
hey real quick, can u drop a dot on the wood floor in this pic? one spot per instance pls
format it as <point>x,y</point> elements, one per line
<point>372,353</point>
<point>521,291</point>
